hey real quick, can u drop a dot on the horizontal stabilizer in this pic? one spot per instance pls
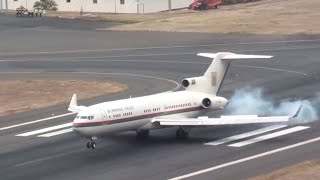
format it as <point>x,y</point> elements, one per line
<point>235,56</point>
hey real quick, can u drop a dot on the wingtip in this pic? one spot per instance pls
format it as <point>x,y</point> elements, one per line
<point>297,112</point>
<point>73,101</point>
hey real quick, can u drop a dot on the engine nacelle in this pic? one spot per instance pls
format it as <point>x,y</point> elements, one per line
<point>214,103</point>
<point>193,81</point>
<point>206,103</point>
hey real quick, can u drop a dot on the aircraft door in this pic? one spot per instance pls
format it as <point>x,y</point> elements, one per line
<point>104,115</point>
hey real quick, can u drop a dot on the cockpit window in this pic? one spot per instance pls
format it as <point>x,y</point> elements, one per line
<point>83,117</point>
<point>77,117</point>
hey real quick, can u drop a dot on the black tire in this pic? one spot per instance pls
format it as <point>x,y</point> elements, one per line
<point>93,145</point>
<point>88,145</point>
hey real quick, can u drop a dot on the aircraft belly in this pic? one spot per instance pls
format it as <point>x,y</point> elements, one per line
<point>149,125</point>
<point>111,128</point>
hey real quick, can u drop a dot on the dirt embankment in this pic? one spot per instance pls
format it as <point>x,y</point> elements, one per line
<point>285,17</point>
<point>264,17</point>
<point>18,96</point>
<point>306,170</point>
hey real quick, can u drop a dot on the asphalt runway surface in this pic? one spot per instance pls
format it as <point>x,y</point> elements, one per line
<point>151,62</point>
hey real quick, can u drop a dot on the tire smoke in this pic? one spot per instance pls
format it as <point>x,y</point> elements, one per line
<point>252,101</point>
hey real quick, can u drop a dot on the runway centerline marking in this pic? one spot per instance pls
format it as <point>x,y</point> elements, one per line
<point>159,47</point>
<point>273,69</point>
<point>39,131</point>
<point>76,59</point>
<point>46,158</point>
<point>244,135</point>
<point>72,59</point>
<point>63,131</point>
<point>269,136</point>
<point>36,121</point>
<point>245,159</point>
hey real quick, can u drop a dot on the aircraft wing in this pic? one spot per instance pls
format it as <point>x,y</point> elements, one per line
<point>223,120</point>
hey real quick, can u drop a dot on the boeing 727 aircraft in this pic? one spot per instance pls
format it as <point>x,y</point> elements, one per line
<point>182,109</point>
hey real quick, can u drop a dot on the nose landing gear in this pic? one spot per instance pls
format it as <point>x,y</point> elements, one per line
<point>91,144</point>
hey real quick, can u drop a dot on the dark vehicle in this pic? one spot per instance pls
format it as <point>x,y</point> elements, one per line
<point>205,4</point>
<point>24,12</point>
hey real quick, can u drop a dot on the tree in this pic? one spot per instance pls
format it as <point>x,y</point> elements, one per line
<point>50,5</point>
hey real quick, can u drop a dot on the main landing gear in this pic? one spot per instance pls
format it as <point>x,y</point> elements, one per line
<point>91,144</point>
<point>181,134</point>
<point>142,134</point>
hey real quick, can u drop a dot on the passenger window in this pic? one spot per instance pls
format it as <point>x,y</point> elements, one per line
<point>77,117</point>
<point>83,117</point>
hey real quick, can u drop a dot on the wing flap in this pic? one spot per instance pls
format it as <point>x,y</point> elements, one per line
<point>224,120</point>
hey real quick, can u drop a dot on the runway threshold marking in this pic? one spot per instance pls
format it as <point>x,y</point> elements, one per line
<point>63,131</point>
<point>269,136</point>
<point>39,131</point>
<point>246,159</point>
<point>245,135</point>
<point>36,121</point>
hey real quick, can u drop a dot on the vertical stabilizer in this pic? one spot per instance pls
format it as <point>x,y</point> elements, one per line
<point>212,79</point>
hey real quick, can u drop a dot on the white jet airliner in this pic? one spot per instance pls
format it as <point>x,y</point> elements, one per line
<point>182,109</point>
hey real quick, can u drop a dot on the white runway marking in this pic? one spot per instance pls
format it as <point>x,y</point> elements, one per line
<point>245,135</point>
<point>36,121</point>
<point>245,159</point>
<point>158,47</point>
<point>90,58</point>
<point>56,133</point>
<point>39,131</point>
<point>274,69</point>
<point>269,136</point>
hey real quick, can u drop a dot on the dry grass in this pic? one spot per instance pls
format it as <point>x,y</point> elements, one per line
<point>264,17</point>
<point>306,170</point>
<point>121,18</point>
<point>24,95</point>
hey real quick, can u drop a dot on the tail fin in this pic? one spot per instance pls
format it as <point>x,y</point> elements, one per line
<point>213,77</point>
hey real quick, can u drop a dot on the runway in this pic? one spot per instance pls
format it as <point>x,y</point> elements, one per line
<point>38,145</point>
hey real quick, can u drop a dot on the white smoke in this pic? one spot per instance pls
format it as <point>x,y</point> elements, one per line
<point>252,101</point>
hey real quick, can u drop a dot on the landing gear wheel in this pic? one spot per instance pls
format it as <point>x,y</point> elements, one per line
<point>181,134</point>
<point>142,134</point>
<point>88,145</point>
<point>91,145</point>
